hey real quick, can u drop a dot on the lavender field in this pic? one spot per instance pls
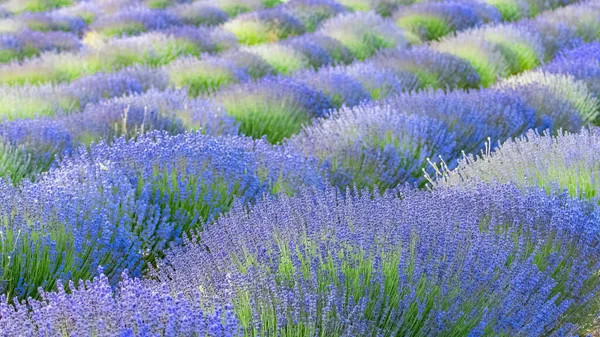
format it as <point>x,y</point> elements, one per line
<point>299,168</point>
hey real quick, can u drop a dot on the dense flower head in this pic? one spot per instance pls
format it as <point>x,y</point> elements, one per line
<point>565,161</point>
<point>268,25</point>
<point>431,21</point>
<point>434,69</point>
<point>275,107</point>
<point>455,262</point>
<point>559,101</point>
<point>93,308</point>
<point>199,14</point>
<point>312,12</point>
<point>364,33</point>
<point>582,62</point>
<point>496,51</point>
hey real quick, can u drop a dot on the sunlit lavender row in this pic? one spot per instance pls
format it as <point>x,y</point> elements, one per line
<point>299,168</point>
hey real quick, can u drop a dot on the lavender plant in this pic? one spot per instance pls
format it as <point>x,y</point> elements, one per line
<point>321,50</point>
<point>282,58</point>
<point>388,144</point>
<point>274,107</point>
<point>562,162</point>
<point>364,33</point>
<point>28,44</point>
<point>336,84</point>
<point>560,101</point>
<point>375,146</point>
<point>124,203</point>
<point>199,14</point>
<point>133,21</point>
<point>432,21</point>
<point>204,76</point>
<point>583,63</point>
<point>434,69</point>
<point>497,51</point>
<point>312,12</point>
<point>455,262</point>
<point>56,100</point>
<point>566,27</point>
<point>93,309</point>
<point>268,25</point>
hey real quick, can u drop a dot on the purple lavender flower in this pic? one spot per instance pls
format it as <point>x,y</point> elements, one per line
<point>120,205</point>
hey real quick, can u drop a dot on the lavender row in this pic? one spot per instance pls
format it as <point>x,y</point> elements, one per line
<point>391,142</point>
<point>495,261</point>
